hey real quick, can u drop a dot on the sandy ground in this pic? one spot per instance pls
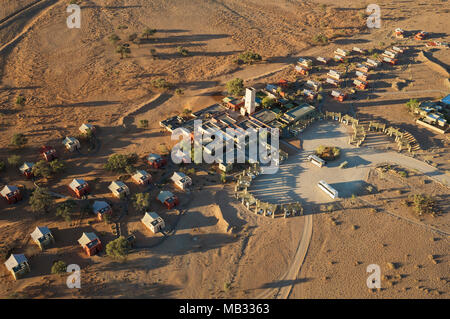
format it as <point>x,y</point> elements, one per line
<point>73,76</point>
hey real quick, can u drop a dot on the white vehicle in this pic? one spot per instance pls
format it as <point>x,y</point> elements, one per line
<point>330,191</point>
<point>316,160</point>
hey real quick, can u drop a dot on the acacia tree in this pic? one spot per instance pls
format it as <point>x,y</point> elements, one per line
<point>148,32</point>
<point>123,50</point>
<point>41,200</point>
<point>66,209</point>
<point>141,201</point>
<point>19,140</point>
<point>117,248</point>
<point>235,87</point>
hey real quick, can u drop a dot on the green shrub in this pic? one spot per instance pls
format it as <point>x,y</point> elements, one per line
<point>235,86</point>
<point>143,123</point>
<point>59,267</point>
<point>41,200</point>
<point>66,209</point>
<point>19,140</point>
<point>117,248</point>
<point>141,201</point>
<point>248,57</point>
<point>119,162</point>
<point>161,84</point>
<point>320,39</point>
<point>14,160</point>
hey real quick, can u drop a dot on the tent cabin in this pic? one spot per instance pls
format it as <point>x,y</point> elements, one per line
<point>79,187</point>
<point>181,180</point>
<point>334,75</point>
<point>372,63</point>
<point>141,177</point>
<point>310,95</point>
<point>43,237</point>
<point>362,76</point>
<point>153,221</point>
<point>26,168</point>
<point>313,85</point>
<point>18,265</point>
<point>339,96</point>
<point>71,143</point>
<point>101,208</point>
<point>358,50</point>
<point>362,85</point>
<point>322,60</point>
<point>119,189</point>
<point>399,33</point>
<point>90,243</point>
<point>341,52</point>
<point>168,199</point>
<point>390,54</point>
<point>332,82</point>
<point>302,70</point>
<point>307,63</point>
<point>86,128</point>
<point>48,153</point>
<point>362,68</point>
<point>156,161</point>
<point>11,194</point>
<point>422,35</point>
<point>338,58</point>
<point>389,60</point>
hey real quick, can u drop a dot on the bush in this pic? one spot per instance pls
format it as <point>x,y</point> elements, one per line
<point>2,166</point>
<point>423,204</point>
<point>141,201</point>
<point>19,140</point>
<point>143,123</point>
<point>183,51</point>
<point>248,57</point>
<point>117,248</point>
<point>66,209</point>
<point>57,166</point>
<point>119,163</point>
<point>268,102</point>
<point>161,84</point>
<point>179,91</point>
<point>59,267</point>
<point>235,87</point>
<point>320,39</point>
<point>14,160</point>
<point>41,200</point>
<point>328,153</point>
<point>114,38</point>
<point>412,105</point>
<point>20,100</point>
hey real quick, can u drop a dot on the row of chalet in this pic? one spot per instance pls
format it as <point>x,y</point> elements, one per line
<point>18,265</point>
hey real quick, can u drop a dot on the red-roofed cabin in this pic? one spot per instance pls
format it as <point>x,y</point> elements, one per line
<point>48,153</point>
<point>156,161</point>
<point>11,194</point>
<point>79,187</point>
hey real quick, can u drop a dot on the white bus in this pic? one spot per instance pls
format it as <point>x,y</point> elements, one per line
<point>316,160</point>
<point>330,191</point>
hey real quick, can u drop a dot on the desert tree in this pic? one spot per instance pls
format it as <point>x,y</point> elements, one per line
<point>141,201</point>
<point>14,160</point>
<point>19,140</point>
<point>123,50</point>
<point>118,248</point>
<point>148,33</point>
<point>59,267</point>
<point>66,210</point>
<point>41,200</point>
<point>235,86</point>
